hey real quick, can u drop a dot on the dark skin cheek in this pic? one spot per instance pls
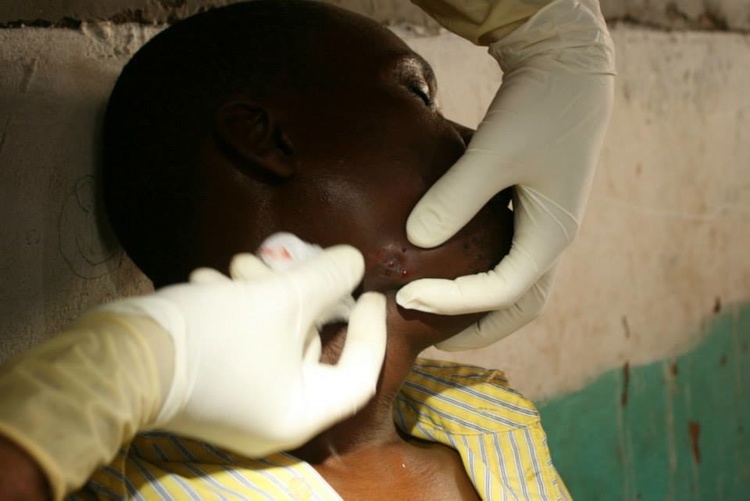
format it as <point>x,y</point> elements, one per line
<point>376,227</point>
<point>362,194</point>
<point>477,248</point>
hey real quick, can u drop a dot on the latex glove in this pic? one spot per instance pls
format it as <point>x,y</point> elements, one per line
<point>218,360</point>
<point>281,252</point>
<point>481,21</point>
<point>542,134</point>
<point>240,378</point>
<point>73,400</point>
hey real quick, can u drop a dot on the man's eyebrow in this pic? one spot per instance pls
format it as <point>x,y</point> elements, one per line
<point>416,62</point>
<point>426,69</point>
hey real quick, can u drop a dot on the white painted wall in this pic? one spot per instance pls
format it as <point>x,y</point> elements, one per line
<point>667,230</point>
<point>666,234</point>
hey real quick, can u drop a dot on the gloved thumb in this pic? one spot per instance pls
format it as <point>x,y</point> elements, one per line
<point>246,266</point>
<point>493,290</point>
<point>456,198</point>
<point>325,279</point>
<point>543,230</point>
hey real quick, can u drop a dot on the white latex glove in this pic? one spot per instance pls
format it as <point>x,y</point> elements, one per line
<point>240,379</point>
<point>215,359</point>
<point>542,134</point>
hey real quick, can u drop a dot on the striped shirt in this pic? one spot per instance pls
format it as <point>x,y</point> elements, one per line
<point>496,431</point>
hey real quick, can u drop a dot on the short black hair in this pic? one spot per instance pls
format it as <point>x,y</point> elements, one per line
<point>162,105</point>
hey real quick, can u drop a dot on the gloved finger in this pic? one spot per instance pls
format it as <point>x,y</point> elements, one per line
<point>339,391</point>
<point>456,197</point>
<point>543,231</point>
<point>325,279</point>
<point>500,324</point>
<point>489,291</point>
<point>339,313</point>
<point>246,266</point>
<point>207,276</point>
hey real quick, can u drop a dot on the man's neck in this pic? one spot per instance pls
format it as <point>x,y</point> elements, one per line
<point>373,425</point>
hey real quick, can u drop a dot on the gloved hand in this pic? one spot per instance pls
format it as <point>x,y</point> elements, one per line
<point>241,379</point>
<point>218,360</point>
<point>542,134</point>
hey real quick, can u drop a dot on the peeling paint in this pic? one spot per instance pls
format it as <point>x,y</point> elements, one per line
<point>28,75</point>
<point>64,22</point>
<point>678,439</point>
<point>171,4</point>
<point>110,42</point>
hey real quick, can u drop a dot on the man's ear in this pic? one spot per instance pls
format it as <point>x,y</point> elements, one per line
<point>248,133</point>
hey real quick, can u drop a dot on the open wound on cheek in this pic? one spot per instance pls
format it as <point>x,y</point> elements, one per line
<point>283,251</point>
<point>391,263</point>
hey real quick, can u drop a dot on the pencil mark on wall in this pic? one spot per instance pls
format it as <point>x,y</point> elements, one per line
<point>4,134</point>
<point>81,244</point>
<point>28,75</point>
<point>626,326</point>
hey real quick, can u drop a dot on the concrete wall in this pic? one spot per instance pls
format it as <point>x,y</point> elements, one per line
<point>665,238</point>
<point>661,259</point>
<point>718,15</point>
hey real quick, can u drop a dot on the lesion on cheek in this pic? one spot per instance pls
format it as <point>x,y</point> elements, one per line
<point>393,262</point>
<point>387,267</point>
<point>477,248</point>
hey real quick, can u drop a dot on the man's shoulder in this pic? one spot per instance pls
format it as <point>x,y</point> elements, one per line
<point>461,399</point>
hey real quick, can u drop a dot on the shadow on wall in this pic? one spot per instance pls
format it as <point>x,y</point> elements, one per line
<point>677,430</point>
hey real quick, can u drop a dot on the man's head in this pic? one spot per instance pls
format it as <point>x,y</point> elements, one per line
<point>284,116</point>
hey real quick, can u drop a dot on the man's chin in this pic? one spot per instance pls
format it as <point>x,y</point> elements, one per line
<point>415,330</point>
<point>424,329</point>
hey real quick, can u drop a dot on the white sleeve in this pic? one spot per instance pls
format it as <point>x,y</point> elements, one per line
<point>71,402</point>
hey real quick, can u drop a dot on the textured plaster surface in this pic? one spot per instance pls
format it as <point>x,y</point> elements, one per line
<point>664,243</point>
<point>667,14</point>
<point>55,260</point>
<point>43,12</point>
<point>666,235</point>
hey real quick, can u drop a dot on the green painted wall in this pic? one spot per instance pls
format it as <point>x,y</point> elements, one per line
<point>672,430</point>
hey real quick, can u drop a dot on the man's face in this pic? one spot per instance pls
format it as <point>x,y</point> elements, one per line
<point>370,142</point>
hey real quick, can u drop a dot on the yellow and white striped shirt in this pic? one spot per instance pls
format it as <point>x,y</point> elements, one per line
<point>496,431</point>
